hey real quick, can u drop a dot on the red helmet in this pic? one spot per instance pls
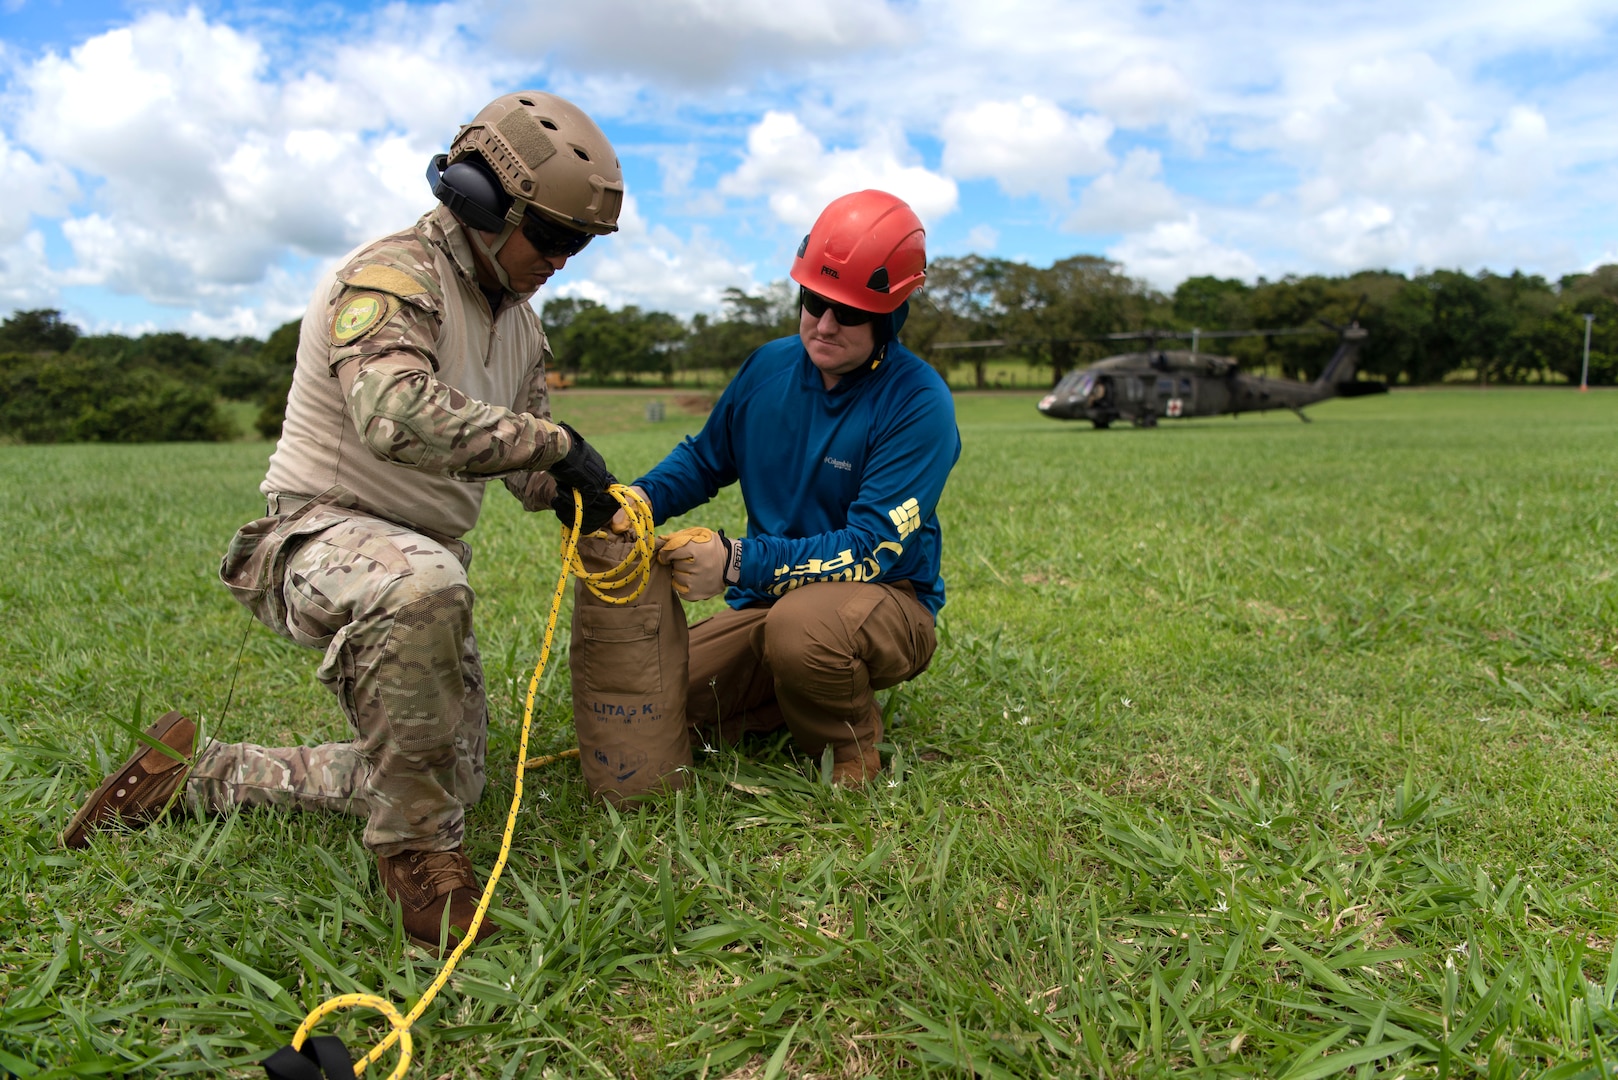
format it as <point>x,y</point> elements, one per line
<point>867,250</point>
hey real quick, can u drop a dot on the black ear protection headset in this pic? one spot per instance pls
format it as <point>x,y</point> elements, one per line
<point>471,192</point>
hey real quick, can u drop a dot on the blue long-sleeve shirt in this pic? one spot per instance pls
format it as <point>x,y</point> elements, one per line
<point>839,485</point>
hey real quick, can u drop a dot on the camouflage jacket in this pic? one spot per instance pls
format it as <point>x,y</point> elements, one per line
<point>410,392</point>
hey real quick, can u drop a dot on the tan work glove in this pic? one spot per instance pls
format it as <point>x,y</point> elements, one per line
<point>702,561</point>
<point>620,520</point>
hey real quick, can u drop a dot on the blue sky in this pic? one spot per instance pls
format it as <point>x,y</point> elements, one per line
<point>195,166</point>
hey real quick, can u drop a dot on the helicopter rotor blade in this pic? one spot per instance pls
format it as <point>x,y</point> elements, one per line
<point>1132,335</point>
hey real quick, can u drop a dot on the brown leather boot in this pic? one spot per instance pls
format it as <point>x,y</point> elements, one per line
<point>858,771</point>
<point>425,883</point>
<point>142,786</point>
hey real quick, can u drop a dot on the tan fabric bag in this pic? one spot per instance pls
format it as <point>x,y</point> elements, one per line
<point>629,665</point>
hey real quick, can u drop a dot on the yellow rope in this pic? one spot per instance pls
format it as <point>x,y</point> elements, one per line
<point>636,565</point>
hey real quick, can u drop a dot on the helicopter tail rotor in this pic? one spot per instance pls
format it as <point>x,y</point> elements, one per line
<point>1339,371</point>
<point>1353,318</point>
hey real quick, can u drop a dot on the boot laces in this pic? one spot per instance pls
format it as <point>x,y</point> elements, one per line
<point>440,871</point>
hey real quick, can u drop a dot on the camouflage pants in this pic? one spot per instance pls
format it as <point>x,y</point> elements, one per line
<point>392,610</point>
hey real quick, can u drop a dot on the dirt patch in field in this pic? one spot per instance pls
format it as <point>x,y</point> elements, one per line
<point>695,404</point>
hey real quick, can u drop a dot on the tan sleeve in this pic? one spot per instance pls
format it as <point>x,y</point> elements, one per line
<point>407,416</point>
<point>536,394</point>
<point>535,489</point>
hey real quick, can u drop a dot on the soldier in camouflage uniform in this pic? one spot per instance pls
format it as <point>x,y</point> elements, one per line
<point>420,377</point>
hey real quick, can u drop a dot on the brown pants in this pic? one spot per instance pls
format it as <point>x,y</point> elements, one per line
<point>812,661</point>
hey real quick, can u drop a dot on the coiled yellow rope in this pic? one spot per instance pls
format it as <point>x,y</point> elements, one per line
<point>636,565</point>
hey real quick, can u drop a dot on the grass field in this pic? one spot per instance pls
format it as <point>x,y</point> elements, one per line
<point>1252,748</point>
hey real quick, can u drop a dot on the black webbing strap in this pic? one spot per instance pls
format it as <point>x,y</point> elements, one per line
<point>323,1057</point>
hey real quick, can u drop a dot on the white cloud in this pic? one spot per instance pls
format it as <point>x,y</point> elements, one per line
<point>1172,251</point>
<point>190,158</point>
<point>1404,161</point>
<point>1128,199</point>
<point>1143,93</point>
<point>789,165</point>
<point>982,238</point>
<point>651,266</point>
<point>696,42</point>
<point>1524,152</point>
<point>32,187</point>
<point>204,172</point>
<point>24,279</point>
<point>1358,232</point>
<point>678,165</point>
<point>1027,146</point>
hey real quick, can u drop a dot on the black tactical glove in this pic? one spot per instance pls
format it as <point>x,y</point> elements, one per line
<point>584,471</point>
<point>598,510</point>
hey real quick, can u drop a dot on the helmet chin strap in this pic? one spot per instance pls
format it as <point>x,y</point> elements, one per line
<point>492,251</point>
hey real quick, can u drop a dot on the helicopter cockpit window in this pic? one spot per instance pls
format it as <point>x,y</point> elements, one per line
<point>1071,381</point>
<point>1085,384</point>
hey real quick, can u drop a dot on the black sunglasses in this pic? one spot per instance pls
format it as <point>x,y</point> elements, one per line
<point>817,305</point>
<point>552,239</point>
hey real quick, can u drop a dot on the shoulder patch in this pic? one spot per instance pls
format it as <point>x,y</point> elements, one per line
<point>385,279</point>
<point>359,314</point>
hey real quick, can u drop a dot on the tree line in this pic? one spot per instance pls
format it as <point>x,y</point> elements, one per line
<point>1426,328</point>
<point>59,384</point>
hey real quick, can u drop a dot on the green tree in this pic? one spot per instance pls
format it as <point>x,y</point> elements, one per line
<point>39,330</point>
<point>1441,322</point>
<point>1526,300</point>
<point>558,316</point>
<point>176,353</point>
<point>276,360</point>
<point>664,337</point>
<point>1081,296</point>
<point>1212,303</point>
<point>1554,342</point>
<point>74,398</point>
<point>747,321</point>
<point>1602,281</point>
<point>1294,302</point>
<point>958,303</point>
<point>620,343</point>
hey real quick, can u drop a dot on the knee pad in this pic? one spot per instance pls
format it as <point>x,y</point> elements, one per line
<point>419,678</point>
<point>432,628</point>
<point>430,579</point>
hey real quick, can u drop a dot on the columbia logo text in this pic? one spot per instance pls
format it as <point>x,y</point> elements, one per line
<point>838,464</point>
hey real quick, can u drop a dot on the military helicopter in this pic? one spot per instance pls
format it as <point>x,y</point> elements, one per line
<point>1142,387</point>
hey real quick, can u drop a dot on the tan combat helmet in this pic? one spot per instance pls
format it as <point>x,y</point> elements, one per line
<point>549,157</point>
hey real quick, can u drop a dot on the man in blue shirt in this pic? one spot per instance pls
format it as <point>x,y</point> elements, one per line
<point>841,439</point>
